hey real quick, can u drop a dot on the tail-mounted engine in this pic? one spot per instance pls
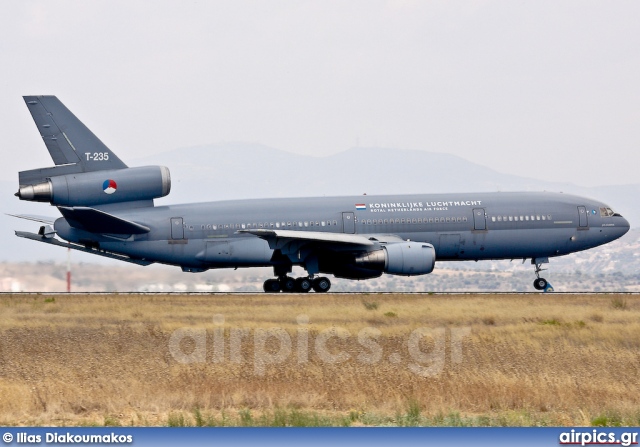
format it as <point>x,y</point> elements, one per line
<point>100,187</point>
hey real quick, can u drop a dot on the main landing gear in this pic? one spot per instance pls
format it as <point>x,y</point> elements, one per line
<point>299,285</point>
<point>541,283</point>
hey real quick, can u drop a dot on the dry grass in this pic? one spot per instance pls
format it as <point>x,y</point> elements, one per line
<point>528,360</point>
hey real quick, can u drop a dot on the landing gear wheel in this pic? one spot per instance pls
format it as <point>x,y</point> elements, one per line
<point>287,284</point>
<point>303,285</point>
<point>540,283</point>
<point>321,285</point>
<point>271,286</point>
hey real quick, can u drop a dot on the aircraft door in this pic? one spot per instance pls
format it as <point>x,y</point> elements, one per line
<point>583,217</point>
<point>348,223</point>
<point>177,228</point>
<point>479,219</point>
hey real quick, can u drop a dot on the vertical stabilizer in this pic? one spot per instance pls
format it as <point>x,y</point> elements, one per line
<point>68,140</point>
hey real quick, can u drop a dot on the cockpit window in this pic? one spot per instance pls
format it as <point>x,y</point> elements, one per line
<point>607,212</point>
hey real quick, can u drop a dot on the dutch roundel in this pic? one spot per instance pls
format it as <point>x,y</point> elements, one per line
<point>109,186</point>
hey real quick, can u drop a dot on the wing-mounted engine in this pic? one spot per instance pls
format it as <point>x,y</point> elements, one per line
<point>97,188</point>
<point>405,258</point>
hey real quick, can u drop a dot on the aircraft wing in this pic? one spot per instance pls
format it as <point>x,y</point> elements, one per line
<point>94,251</point>
<point>278,239</point>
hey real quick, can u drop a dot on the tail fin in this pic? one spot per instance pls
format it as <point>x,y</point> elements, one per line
<point>68,140</point>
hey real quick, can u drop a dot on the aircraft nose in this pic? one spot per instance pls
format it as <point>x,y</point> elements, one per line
<point>621,228</point>
<point>625,225</point>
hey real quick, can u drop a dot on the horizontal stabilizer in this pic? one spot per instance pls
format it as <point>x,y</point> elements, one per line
<point>96,221</point>
<point>93,251</point>
<point>41,219</point>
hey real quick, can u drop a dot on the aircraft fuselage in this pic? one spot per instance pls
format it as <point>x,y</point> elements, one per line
<point>472,226</point>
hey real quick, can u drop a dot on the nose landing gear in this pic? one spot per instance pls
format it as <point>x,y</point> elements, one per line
<point>541,283</point>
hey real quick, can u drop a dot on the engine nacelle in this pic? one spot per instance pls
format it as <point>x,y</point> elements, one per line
<point>406,258</point>
<point>100,187</point>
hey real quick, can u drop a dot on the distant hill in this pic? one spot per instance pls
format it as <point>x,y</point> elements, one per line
<point>239,170</point>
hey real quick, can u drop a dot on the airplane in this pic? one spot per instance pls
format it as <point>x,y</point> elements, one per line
<point>108,210</point>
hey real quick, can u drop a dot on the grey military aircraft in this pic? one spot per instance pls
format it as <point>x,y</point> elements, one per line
<point>108,210</point>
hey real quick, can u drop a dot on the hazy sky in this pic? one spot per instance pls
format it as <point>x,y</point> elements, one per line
<point>545,89</point>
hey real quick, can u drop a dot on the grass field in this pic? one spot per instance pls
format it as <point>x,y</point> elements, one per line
<point>354,360</point>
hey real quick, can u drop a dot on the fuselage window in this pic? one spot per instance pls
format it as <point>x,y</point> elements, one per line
<point>306,224</point>
<point>548,216</point>
<point>431,220</point>
<point>369,222</point>
<point>386,221</point>
<point>335,222</point>
<point>537,217</point>
<point>323,223</point>
<point>526,217</point>
<point>510,218</point>
<point>499,218</point>
<point>544,217</point>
